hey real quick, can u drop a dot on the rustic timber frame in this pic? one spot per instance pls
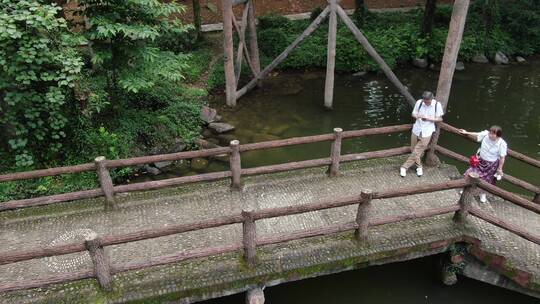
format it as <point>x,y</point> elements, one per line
<point>103,271</point>
<point>232,69</point>
<point>333,9</point>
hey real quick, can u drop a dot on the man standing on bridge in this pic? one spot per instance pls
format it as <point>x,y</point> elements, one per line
<point>427,111</point>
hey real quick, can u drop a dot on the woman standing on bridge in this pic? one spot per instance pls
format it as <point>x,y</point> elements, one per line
<point>492,154</point>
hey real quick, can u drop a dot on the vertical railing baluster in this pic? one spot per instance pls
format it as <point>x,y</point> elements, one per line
<point>362,215</point>
<point>102,269</point>
<point>236,165</point>
<point>335,153</point>
<point>536,198</point>
<point>249,238</point>
<point>467,197</point>
<point>105,180</point>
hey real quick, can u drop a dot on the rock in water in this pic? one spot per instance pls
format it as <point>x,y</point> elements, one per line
<point>208,114</point>
<point>360,74</point>
<point>480,58</point>
<point>220,127</point>
<point>162,164</point>
<point>500,58</point>
<point>420,63</point>
<point>151,170</point>
<point>520,59</point>
<point>460,66</point>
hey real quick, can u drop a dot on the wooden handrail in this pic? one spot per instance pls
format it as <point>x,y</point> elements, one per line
<point>520,156</point>
<point>13,257</point>
<point>18,256</point>
<point>511,179</point>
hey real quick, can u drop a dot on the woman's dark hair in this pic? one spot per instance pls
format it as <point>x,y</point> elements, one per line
<point>497,130</point>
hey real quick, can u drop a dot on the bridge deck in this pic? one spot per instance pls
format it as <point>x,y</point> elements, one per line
<point>226,273</point>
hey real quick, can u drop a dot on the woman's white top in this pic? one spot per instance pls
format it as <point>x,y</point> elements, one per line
<point>491,150</point>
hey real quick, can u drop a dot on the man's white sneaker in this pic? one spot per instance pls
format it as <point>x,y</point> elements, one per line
<point>402,172</point>
<point>419,171</point>
<point>483,198</point>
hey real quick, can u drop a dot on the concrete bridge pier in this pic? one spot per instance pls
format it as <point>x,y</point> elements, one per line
<point>255,296</point>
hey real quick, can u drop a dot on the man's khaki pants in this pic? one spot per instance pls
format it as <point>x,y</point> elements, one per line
<point>418,146</point>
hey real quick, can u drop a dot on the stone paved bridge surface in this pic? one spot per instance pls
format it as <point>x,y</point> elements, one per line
<point>193,280</point>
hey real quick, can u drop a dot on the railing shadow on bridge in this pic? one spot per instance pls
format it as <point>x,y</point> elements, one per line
<point>104,271</point>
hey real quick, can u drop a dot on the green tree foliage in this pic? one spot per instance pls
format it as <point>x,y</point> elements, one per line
<point>39,66</point>
<point>124,50</point>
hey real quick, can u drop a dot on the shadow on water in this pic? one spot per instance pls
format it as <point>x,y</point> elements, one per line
<point>412,282</point>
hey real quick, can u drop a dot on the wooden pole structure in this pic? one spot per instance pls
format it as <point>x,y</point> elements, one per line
<point>102,269</point>
<point>197,17</point>
<point>448,66</point>
<point>253,43</point>
<point>373,53</point>
<point>466,198</point>
<point>331,56</point>
<point>249,237</point>
<point>241,42</point>
<point>335,153</point>
<point>362,216</point>
<point>105,180</point>
<point>230,79</point>
<point>536,198</point>
<point>308,31</point>
<point>236,165</point>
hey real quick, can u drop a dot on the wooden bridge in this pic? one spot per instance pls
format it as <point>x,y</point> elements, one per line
<point>191,238</point>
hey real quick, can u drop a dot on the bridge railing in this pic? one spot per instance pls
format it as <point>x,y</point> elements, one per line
<point>103,270</point>
<point>535,189</point>
<point>107,189</point>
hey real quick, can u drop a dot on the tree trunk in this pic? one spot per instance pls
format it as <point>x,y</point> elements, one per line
<point>429,17</point>
<point>197,17</point>
<point>359,12</point>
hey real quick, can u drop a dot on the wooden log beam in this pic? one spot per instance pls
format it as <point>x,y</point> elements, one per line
<point>228,52</point>
<point>102,267</point>
<point>373,53</point>
<point>105,180</point>
<point>511,179</point>
<point>47,172</point>
<point>331,56</point>
<point>158,184</point>
<point>253,43</point>
<point>448,66</point>
<point>454,184</point>
<point>236,165</point>
<point>166,157</point>
<point>245,49</point>
<point>241,40</point>
<point>249,238</point>
<point>505,225</point>
<point>414,216</point>
<point>49,280</point>
<point>375,154</point>
<point>40,252</point>
<point>467,197</point>
<point>509,196</point>
<point>335,153</point>
<point>308,31</point>
<point>51,199</point>
<point>362,216</point>
<point>519,156</point>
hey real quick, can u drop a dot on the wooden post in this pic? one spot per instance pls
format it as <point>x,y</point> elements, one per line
<point>308,31</point>
<point>102,269</point>
<point>241,42</point>
<point>336,152</point>
<point>466,198</point>
<point>105,180</point>
<point>448,66</point>
<point>236,165</point>
<point>253,43</point>
<point>197,17</point>
<point>362,216</point>
<point>536,198</point>
<point>228,55</point>
<point>330,57</point>
<point>249,238</point>
<point>373,53</point>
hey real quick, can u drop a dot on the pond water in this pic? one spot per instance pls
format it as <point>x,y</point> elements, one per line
<point>291,104</point>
